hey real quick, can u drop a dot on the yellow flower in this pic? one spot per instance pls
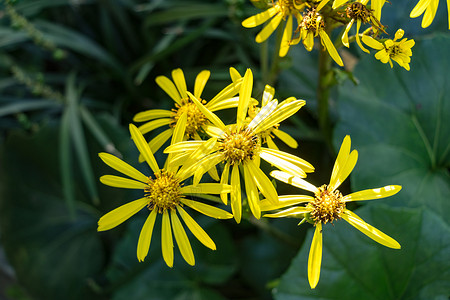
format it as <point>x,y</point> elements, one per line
<point>312,25</point>
<point>239,147</point>
<point>281,10</point>
<point>399,51</point>
<point>376,5</point>
<point>430,8</point>
<point>163,194</point>
<point>177,90</point>
<point>328,204</point>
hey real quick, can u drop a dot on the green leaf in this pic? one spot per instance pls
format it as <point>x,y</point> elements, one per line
<point>398,121</point>
<point>356,267</point>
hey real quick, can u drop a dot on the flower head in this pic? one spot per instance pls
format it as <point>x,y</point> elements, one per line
<point>399,51</point>
<point>163,194</point>
<point>281,10</point>
<point>239,147</point>
<point>328,205</point>
<point>177,90</point>
<point>428,8</point>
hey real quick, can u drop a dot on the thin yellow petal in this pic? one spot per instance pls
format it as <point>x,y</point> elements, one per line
<point>208,114</point>
<point>121,214</point>
<point>224,104</point>
<point>330,47</point>
<point>358,40</point>
<point>338,3</point>
<point>283,111</point>
<point>286,138</point>
<point>345,34</point>
<point>292,180</point>
<point>264,113</point>
<point>206,164</point>
<point>166,240</point>
<point>282,164</point>
<point>341,159</point>
<point>122,167</point>
<point>236,197</point>
<point>244,98</point>
<point>303,164</point>
<point>370,194</point>
<point>420,7</point>
<point>260,18</point>
<point>269,93</point>
<point>285,201</point>
<point>198,231</point>
<point>151,115</point>
<point>121,182</point>
<point>429,14</point>
<point>206,188</point>
<point>371,42</point>
<point>167,85</point>
<point>269,28</point>
<point>252,193</point>
<point>270,143</point>
<point>143,148</point>
<point>234,74</point>
<point>224,180</point>
<point>207,210</point>
<point>322,4</point>
<point>178,135</point>
<point>200,82</point>
<point>180,82</point>
<point>287,36</point>
<point>213,131</point>
<point>145,236</point>
<point>191,163</point>
<point>345,171</point>
<point>263,182</point>
<point>182,240</point>
<point>315,257</point>
<point>369,230</point>
<point>293,211</point>
<point>185,146</point>
<point>228,92</point>
<point>152,125</point>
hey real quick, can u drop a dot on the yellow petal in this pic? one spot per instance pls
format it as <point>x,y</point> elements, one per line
<point>308,39</point>
<point>234,74</point>
<point>330,47</point>
<point>178,135</point>
<point>285,201</point>
<point>430,13</point>
<point>263,114</point>
<point>303,164</point>
<point>286,138</point>
<point>224,104</point>
<point>285,40</point>
<point>345,35</point>
<point>145,236</point>
<point>293,211</point>
<point>167,85</point>
<point>369,230</point>
<point>185,146</point>
<point>292,180</point>
<point>322,4</point>
<point>224,180</point>
<point>341,159</point>
<point>260,18</point>
<point>206,188</point>
<point>262,182</point>
<point>420,7</point>
<point>206,164</point>
<point>198,231</point>
<point>200,82</point>
<point>269,28</point>
<point>268,95</point>
<point>207,210</point>
<point>151,114</point>
<point>338,3</point>
<point>166,240</point>
<point>244,98</point>
<point>180,82</point>
<point>282,164</point>
<point>270,143</point>
<point>159,140</point>
<point>213,131</point>
<point>358,41</point>
<point>283,111</point>
<point>191,162</point>
<point>122,167</point>
<point>345,171</point>
<point>121,182</point>
<point>152,125</point>
<point>229,91</point>
<point>208,114</point>
<point>236,197</point>
<point>315,257</point>
<point>371,42</point>
<point>143,148</point>
<point>252,193</point>
<point>182,240</point>
<point>370,194</point>
<point>121,214</point>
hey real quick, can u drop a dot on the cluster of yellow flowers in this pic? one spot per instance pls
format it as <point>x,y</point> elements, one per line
<point>201,142</point>
<point>319,19</point>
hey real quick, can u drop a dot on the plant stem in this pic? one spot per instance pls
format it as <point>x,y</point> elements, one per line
<point>323,94</point>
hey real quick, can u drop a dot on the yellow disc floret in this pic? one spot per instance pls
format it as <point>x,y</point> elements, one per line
<point>163,192</point>
<point>195,118</point>
<point>327,206</point>
<point>239,145</point>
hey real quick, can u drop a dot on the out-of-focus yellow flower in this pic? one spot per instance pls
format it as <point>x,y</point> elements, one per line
<point>376,5</point>
<point>428,8</point>
<point>399,51</point>
<point>163,194</point>
<point>177,90</point>
<point>281,10</point>
<point>239,147</point>
<point>312,25</point>
<point>328,205</point>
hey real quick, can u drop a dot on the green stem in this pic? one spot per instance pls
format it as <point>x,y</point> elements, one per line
<point>323,94</point>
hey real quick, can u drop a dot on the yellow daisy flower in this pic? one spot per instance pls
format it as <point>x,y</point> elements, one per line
<point>428,8</point>
<point>376,5</point>
<point>177,90</point>
<point>312,25</point>
<point>328,204</point>
<point>239,146</point>
<point>165,195</point>
<point>281,10</point>
<point>399,51</point>
<point>268,135</point>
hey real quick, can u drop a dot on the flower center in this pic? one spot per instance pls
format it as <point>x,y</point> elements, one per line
<point>312,21</point>
<point>394,50</point>
<point>287,6</point>
<point>195,118</point>
<point>327,206</point>
<point>163,192</point>
<point>358,11</point>
<point>239,145</point>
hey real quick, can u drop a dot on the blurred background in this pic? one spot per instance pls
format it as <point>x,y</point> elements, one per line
<point>74,73</point>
